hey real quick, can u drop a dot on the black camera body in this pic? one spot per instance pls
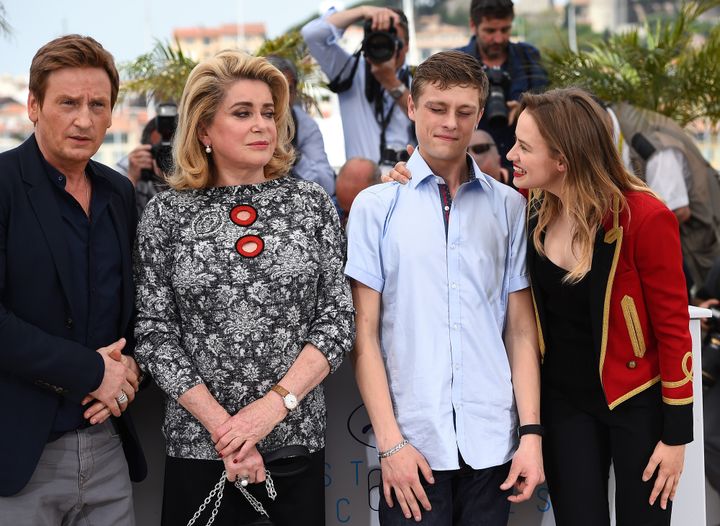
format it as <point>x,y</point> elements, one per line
<point>165,124</point>
<point>390,157</point>
<point>496,110</point>
<point>380,46</point>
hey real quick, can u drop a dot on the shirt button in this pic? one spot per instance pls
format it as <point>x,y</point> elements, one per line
<point>631,364</point>
<point>447,208</point>
<point>69,323</point>
<point>452,247</point>
<point>456,326</point>
<point>454,285</point>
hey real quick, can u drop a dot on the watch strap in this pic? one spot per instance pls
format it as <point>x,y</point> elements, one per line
<point>279,389</point>
<point>531,429</point>
<point>398,92</point>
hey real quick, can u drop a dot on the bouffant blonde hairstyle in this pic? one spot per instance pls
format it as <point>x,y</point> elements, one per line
<point>204,92</point>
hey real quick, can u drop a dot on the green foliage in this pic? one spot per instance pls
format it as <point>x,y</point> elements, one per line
<point>5,27</point>
<point>657,66</point>
<point>163,72</point>
<point>160,74</point>
<point>292,47</point>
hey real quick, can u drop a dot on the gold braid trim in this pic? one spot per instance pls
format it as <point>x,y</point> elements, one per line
<point>613,235</point>
<point>686,371</point>
<point>677,401</point>
<point>632,320</point>
<point>635,391</point>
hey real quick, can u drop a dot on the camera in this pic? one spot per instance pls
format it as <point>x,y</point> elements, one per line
<point>496,109</point>
<point>165,124</point>
<point>711,350</point>
<point>391,156</point>
<point>380,46</point>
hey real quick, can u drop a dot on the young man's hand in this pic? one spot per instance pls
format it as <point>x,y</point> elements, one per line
<point>399,173</point>
<point>526,470</point>
<point>400,472</point>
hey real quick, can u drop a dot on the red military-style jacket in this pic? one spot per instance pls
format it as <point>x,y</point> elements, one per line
<point>638,310</point>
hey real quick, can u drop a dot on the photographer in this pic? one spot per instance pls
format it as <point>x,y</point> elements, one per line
<point>147,164</point>
<point>707,296</point>
<point>311,162</point>
<point>512,69</point>
<point>372,85</point>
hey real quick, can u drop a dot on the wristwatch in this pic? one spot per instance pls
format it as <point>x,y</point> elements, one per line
<point>289,399</point>
<point>398,92</point>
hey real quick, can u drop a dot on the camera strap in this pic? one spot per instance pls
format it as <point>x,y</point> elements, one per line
<point>384,122</point>
<point>383,119</point>
<point>338,85</point>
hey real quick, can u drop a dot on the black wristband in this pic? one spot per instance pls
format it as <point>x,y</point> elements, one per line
<point>531,429</point>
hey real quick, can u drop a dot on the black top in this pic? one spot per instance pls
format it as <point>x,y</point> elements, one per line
<point>570,364</point>
<point>96,278</point>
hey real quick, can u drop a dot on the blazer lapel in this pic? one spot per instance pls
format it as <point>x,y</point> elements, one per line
<point>43,200</point>
<point>117,213</point>
<point>606,252</point>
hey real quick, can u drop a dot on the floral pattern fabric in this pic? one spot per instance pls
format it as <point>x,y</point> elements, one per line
<point>209,314</point>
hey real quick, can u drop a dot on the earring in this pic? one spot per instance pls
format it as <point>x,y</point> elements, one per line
<point>208,149</point>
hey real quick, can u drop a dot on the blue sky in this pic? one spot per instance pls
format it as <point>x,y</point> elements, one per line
<point>127,28</point>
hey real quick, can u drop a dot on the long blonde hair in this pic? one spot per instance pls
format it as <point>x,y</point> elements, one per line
<point>578,131</point>
<point>205,90</point>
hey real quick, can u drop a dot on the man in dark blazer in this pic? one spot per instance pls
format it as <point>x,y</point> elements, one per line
<point>66,301</point>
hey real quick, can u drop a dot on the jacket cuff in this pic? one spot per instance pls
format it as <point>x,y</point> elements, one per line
<point>677,424</point>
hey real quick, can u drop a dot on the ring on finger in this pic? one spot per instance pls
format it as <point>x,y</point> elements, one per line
<point>122,398</point>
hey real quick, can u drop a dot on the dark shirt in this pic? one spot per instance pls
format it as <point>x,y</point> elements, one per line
<point>96,279</point>
<point>570,365</point>
<point>526,74</point>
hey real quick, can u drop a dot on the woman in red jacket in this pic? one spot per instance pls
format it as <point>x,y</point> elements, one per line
<point>606,269</point>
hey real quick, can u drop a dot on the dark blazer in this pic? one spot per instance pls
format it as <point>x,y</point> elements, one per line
<point>638,310</point>
<point>38,364</point>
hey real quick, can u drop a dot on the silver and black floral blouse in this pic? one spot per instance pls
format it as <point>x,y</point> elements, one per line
<point>232,282</point>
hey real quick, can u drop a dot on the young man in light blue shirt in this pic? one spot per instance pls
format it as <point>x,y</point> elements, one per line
<point>446,356</point>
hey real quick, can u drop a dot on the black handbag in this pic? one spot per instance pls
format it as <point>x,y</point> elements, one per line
<point>286,461</point>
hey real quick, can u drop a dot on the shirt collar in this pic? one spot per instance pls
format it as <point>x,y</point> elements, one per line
<point>421,171</point>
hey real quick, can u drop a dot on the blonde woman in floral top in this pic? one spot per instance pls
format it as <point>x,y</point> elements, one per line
<point>243,308</point>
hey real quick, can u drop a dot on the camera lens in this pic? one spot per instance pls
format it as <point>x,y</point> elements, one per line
<point>496,108</point>
<point>379,47</point>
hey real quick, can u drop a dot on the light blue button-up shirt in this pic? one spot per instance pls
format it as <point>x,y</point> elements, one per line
<point>443,312</point>
<point>360,127</point>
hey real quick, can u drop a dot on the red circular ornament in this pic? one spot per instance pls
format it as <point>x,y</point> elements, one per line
<point>249,252</point>
<point>243,215</point>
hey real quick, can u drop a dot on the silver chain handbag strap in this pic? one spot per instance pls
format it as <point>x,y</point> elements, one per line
<point>219,489</point>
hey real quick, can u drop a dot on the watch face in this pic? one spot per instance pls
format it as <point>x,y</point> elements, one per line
<point>291,401</point>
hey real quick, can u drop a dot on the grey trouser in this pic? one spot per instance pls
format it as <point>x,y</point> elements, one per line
<point>81,479</point>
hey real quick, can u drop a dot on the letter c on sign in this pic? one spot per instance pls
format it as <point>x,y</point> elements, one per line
<point>345,518</point>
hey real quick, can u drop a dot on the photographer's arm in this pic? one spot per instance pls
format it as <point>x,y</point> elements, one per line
<point>380,17</point>
<point>386,75</point>
<point>139,159</point>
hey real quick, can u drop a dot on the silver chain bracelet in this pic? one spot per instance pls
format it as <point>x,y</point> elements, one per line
<point>394,449</point>
<point>218,490</point>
